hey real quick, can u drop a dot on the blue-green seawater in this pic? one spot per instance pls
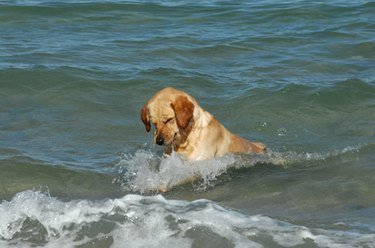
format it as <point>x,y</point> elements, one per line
<point>77,166</point>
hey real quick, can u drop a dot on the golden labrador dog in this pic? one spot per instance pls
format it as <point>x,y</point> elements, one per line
<point>181,125</point>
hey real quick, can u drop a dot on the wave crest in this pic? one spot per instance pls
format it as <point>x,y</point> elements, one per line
<point>147,172</point>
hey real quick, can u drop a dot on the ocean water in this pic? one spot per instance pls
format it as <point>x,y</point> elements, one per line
<point>77,168</point>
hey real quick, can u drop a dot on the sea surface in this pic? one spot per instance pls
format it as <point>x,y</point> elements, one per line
<point>78,169</point>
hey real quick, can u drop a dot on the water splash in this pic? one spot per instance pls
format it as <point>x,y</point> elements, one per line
<point>146,172</point>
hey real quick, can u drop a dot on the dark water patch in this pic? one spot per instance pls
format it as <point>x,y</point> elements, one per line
<point>349,94</point>
<point>23,173</point>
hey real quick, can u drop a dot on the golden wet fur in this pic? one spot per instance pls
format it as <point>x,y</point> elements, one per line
<point>181,125</point>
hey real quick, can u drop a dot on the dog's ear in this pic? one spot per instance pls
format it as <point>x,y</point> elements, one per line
<point>146,118</point>
<point>184,110</point>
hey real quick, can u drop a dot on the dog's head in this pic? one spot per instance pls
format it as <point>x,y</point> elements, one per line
<point>171,111</point>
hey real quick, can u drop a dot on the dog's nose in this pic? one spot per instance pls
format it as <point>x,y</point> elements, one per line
<point>159,140</point>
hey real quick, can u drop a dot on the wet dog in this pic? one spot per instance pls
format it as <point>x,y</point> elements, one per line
<point>181,125</point>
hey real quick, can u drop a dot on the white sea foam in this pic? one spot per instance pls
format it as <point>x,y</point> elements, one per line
<point>145,171</point>
<point>35,218</point>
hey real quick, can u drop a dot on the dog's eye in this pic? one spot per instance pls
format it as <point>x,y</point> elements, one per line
<point>168,120</point>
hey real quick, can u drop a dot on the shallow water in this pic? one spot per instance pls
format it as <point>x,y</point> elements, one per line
<point>77,168</point>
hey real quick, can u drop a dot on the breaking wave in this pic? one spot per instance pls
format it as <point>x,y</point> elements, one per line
<point>34,218</point>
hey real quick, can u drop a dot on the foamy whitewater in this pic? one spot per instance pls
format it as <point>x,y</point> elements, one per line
<point>152,221</point>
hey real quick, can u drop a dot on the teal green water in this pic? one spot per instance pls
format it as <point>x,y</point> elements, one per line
<point>297,75</point>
